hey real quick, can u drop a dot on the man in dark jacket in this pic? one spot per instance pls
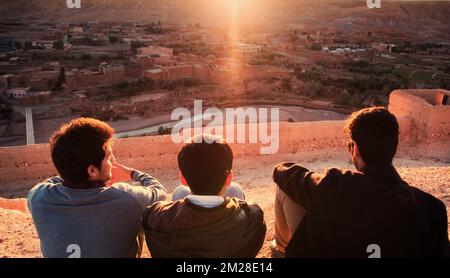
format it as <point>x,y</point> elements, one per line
<point>368,213</point>
<point>208,217</point>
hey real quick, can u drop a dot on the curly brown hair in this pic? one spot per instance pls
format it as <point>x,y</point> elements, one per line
<point>375,131</point>
<point>77,145</point>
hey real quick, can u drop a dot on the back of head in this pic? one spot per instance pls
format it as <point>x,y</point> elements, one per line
<point>205,162</point>
<point>375,131</point>
<point>77,145</point>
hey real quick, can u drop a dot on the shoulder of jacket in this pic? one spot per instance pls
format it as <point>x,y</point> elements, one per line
<point>427,197</point>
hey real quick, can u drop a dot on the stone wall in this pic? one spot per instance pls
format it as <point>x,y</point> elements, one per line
<point>430,119</point>
<point>26,165</point>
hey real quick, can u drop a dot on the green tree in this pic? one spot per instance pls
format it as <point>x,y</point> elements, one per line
<point>113,39</point>
<point>61,79</point>
<point>58,45</point>
<point>28,45</point>
<point>169,85</point>
<point>316,46</point>
<point>344,97</point>
<point>286,85</point>
<point>355,101</point>
<point>371,54</point>
<point>86,56</point>
<point>160,27</point>
<point>123,85</point>
<point>17,45</point>
<point>313,89</point>
<point>104,57</point>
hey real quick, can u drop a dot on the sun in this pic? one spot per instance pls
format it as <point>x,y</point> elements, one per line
<point>234,13</point>
<point>234,3</point>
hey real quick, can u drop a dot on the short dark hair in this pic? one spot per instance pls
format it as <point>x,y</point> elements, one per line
<point>77,145</point>
<point>205,162</point>
<point>375,131</point>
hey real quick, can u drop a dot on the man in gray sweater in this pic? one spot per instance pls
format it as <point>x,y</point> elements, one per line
<point>89,210</point>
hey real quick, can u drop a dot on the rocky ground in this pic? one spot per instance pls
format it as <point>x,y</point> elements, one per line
<point>18,237</point>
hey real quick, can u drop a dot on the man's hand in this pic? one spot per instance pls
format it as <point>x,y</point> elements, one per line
<point>120,173</point>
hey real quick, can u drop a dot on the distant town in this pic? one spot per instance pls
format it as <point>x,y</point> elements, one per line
<point>143,70</point>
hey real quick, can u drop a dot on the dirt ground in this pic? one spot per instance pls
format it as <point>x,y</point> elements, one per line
<point>18,237</point>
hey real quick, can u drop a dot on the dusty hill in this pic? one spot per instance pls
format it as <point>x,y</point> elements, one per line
<point>406,16</point>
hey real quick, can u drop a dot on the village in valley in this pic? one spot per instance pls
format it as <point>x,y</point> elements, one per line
<point>133,74</point>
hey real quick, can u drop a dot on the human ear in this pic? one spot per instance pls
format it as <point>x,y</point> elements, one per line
<point>358,158</point>
<point>355,150</point>
<point>93,172</point>
<point>183,180</point>
<point>229,178</point>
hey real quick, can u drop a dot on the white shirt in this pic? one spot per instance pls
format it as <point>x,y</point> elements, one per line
<point>206,201</point>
